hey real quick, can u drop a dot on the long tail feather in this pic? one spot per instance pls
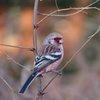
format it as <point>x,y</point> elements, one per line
<point>28,82</point>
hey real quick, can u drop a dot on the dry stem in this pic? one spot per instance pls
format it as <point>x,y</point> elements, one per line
<point>35,24</point>
<point>9,58</point>
<point>15,93</point>
<point>21,47</point>
<point>60,10</point>
<point>35,45</point>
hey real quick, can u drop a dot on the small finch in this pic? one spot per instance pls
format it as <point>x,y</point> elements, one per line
<point>48,58</point>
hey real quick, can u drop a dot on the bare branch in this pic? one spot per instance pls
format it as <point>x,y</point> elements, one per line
<point>15,93</point>
<point>21,47</point>
<point>35,44</point>
<point>49,82</point>
<point>56,4</point>
<point>79,10</point>
<point>35,25</point>
<point>9,58</point>
<point>60,15</point>
<point>89,38</point>
<point>93,3</point>
<point>39,88</point>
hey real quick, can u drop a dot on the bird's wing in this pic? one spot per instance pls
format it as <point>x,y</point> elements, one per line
<point>47,55</point>
<point>45,60</point>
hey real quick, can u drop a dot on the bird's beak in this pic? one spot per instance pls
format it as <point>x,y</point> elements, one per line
<point>61,41</point>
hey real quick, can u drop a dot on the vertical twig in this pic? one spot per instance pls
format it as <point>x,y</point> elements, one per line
<point>35,45</point>
<point>39,88</point>
<point>35,24</point>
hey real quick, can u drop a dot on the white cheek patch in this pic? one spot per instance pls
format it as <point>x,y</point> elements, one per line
<point>52,42</point>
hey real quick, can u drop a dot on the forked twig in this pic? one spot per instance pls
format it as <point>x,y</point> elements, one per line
<point>61,15</point>
<point>15,93</point>
<point>60,10</point>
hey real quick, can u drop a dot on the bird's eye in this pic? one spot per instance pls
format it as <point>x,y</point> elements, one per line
<point>58,40</point>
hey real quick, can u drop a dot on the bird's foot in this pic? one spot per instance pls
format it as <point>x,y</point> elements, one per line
<point>58,72</point>
<point>40,75</point>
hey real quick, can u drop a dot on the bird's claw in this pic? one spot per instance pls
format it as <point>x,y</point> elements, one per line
<point>40,75</point>
<point>58,72</point>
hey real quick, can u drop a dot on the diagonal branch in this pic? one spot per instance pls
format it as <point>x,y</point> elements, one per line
<point>21,47</point>
<point>15,93</point>
<point>89,38</point>
<point>9,58</point>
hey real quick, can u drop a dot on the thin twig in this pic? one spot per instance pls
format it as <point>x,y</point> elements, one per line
<point>49,82</point>
<point>79,10</point>
<point>15,93</point>
<point>35,24</point>
<point>35,45</point>
<point>89,38</point>
<point>60,15</point>
<point>87,8</point>
<point>9,58</point>
<point>93,3</point>
<point>21,47</point>
<point>56,4</point>
<point>39,87</point>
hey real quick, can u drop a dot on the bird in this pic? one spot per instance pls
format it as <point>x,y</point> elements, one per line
<point>47,59</point>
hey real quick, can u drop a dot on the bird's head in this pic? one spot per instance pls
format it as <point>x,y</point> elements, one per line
<point>54,39</point>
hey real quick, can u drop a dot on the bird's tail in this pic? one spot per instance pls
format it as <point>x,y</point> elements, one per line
<point>28,82</point>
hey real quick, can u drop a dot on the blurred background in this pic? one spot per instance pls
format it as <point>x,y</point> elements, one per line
<point>80,79</point>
